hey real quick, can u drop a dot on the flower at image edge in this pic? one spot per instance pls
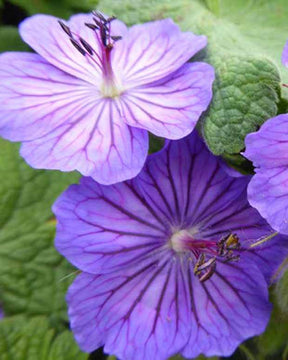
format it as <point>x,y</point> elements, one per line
<point>268,150</point>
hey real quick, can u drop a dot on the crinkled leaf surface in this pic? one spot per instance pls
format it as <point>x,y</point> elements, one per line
<point>33,276</point>
<point>22,339</point>
<point>247,87</point>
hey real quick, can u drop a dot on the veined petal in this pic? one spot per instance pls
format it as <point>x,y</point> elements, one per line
<point>268,146</point>
<point>150,51</point>
<point>94,141</point>
<point>285,55</point>
<point>133,312</point>
<point>36,97</point>
<point>229,308</point>
<point>170,107</point>
<point>102,229</point>
<point>143,292</point>
<point>272,200</point>
<point>44,34</point>
<point>136,310</point>
<point>267,149</point>
<point>184,191</point>
<point>269,255</point>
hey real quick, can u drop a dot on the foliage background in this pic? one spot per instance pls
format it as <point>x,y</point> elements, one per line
<point>246,38</point>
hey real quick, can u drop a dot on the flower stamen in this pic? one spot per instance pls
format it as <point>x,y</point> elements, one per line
<point>102,29</point>
<point>206,252</point>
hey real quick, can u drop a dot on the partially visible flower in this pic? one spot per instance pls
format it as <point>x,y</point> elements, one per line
<point>268,189</point>
<point>268,150</point>
<point>88,99</point>
<point>166,259</point>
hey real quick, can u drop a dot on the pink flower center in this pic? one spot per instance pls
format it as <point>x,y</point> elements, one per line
<point>205,252</point>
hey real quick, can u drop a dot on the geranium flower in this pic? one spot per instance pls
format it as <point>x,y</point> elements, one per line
<point>268,150</point>
<point>166,258</point>
<point>88,99</point>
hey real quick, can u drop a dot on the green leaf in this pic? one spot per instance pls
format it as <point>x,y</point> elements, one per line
<point>281,290</point>
<point>246,93</point>
<point>33,276</point>
<point>285,353</point>
<point>247,87</point>
<point>274,339</point>
<point>10,40</point>
<point>23,339</point>
<point>201,357</point>
<point>155,143</point>
<point>62,8</point>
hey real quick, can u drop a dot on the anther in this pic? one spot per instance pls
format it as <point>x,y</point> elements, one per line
<point>65,28</point>
<point>97,22</point>
<point>103,36</point>
<point>99,15</point>
<point>77,46</point>
<point>116,38</point>
<point>111,18</point>
<point>86,46</point>
<point>92,26</point>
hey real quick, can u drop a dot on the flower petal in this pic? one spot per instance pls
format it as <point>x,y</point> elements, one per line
<point>268,146</point>
<point>133,312</point>
<point>229,308</point>
<point>170,107</point>
<point>36,97</point>
<point>269,256</point>
<point>272,200</point>
<point>184,191</point>
<point>136,310</point>
<point>150,51</point>
<point>101,229</point>
<point>94,141</point>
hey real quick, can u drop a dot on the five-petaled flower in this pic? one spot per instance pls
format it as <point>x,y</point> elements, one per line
<point>163,269</point>
<point>88,100</point>
<point>268,149</point>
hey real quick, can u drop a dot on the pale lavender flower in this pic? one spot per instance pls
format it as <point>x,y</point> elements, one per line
<point>162,273</point>
<point>88,99</point>
<point>268,150</point>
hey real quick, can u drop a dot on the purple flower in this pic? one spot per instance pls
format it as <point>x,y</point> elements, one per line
<point>88,99</point>
<point>163,269</point>
<point>268,189</point>
<point>268,150</point>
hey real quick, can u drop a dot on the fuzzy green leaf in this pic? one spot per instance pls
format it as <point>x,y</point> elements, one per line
<point>33,276</point>
<point>33,339</point>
